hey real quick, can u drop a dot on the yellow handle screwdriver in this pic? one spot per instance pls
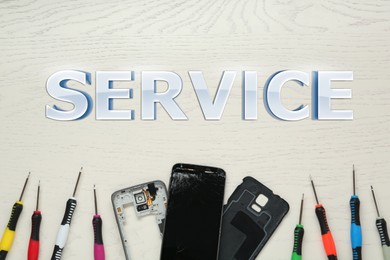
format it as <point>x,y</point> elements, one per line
<point>9,233</point>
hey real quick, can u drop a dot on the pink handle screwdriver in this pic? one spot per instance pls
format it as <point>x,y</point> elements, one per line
<point>97,230</point>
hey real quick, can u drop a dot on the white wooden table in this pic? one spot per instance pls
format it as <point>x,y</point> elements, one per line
<point>39,38</point>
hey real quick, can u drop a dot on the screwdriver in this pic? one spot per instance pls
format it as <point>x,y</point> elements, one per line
<point>298,236</point>
<point>97,229</point>
<point>327,238</point>
<point>9,233</point>
<point>356,229</point>
<point>63,233</point>
<point>33,246</point>
<point>382,229</point>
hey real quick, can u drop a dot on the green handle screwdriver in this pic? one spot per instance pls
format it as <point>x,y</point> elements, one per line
<point>298,236</point>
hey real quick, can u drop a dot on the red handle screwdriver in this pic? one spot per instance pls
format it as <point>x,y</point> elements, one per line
<point>33,246</point>
<point>327,238</point>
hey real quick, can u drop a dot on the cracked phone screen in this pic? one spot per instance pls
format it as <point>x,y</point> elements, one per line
<point>193,220</point>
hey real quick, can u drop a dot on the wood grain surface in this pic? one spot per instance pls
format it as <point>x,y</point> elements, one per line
<point>38,38</point>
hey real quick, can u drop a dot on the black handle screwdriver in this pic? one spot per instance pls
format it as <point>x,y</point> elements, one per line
<point>382,229</point>
<point>9,233</point>
<point>327,238</point>
<point>63,233</point>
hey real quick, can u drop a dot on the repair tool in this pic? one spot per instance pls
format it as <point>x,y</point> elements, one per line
<point>33,246</point>
<point>356,229</point>
<point>382,229</point>
<point>97,230</point>
<point>63,233</point>
<point>298,236</point>
<point>327,238</point>
<point>9,233</point>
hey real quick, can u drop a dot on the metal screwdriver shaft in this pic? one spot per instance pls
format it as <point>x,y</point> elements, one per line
<point>382,229</point>
<point>9,233</point>
<point>63,233</point>
<point>95,199</point>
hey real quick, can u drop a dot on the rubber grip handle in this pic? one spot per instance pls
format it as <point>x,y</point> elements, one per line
<point>63,232</point>
<point>298,238</point>
<point>36,219</point>
<point>384,236</point>
<point>97,224</point>
<point>356,229</point>
<point>69,211</point>
<point>33,250</point>
<point>33,246</point>
<point>9,233</point>
<point>382,229</point>
<point>98,252</point>
<point>327,238</point>
<point>97,229</point>
<point>3,254</point>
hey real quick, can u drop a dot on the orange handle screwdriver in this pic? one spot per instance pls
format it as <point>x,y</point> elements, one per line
<point>327,238</point>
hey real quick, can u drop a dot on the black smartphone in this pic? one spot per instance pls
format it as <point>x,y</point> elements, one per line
<point>194,213</point>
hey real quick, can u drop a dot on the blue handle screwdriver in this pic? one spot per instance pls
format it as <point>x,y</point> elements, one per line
<point>356,229</point>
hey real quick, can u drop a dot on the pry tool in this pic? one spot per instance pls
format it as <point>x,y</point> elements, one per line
<point>327,238</point>
<point>9,233</point>
<point>97,229</point>
<point>63,232</point>
<point>382,229</point>
<point>33,246</point>
<point>356,229</point>
<point>298,236</point>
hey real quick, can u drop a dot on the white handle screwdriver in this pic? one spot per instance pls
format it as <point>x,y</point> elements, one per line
<point>382,229</point>
<point>63,233</point>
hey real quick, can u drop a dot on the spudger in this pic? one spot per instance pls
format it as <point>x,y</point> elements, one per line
<point>327,238</point>
<point>9,233</point>
<point>63,233</point>
<point>356,229</point>
<point>382,229</point>
<point>33,246</point>
<point>298,236</point>
<point>97,230</point>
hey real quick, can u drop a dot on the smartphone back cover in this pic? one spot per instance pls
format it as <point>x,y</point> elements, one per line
<point>251,215</point>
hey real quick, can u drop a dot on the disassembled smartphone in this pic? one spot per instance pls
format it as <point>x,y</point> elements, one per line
<point>251,215</point>
<point>194,213</point>
<point>147,199</point>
